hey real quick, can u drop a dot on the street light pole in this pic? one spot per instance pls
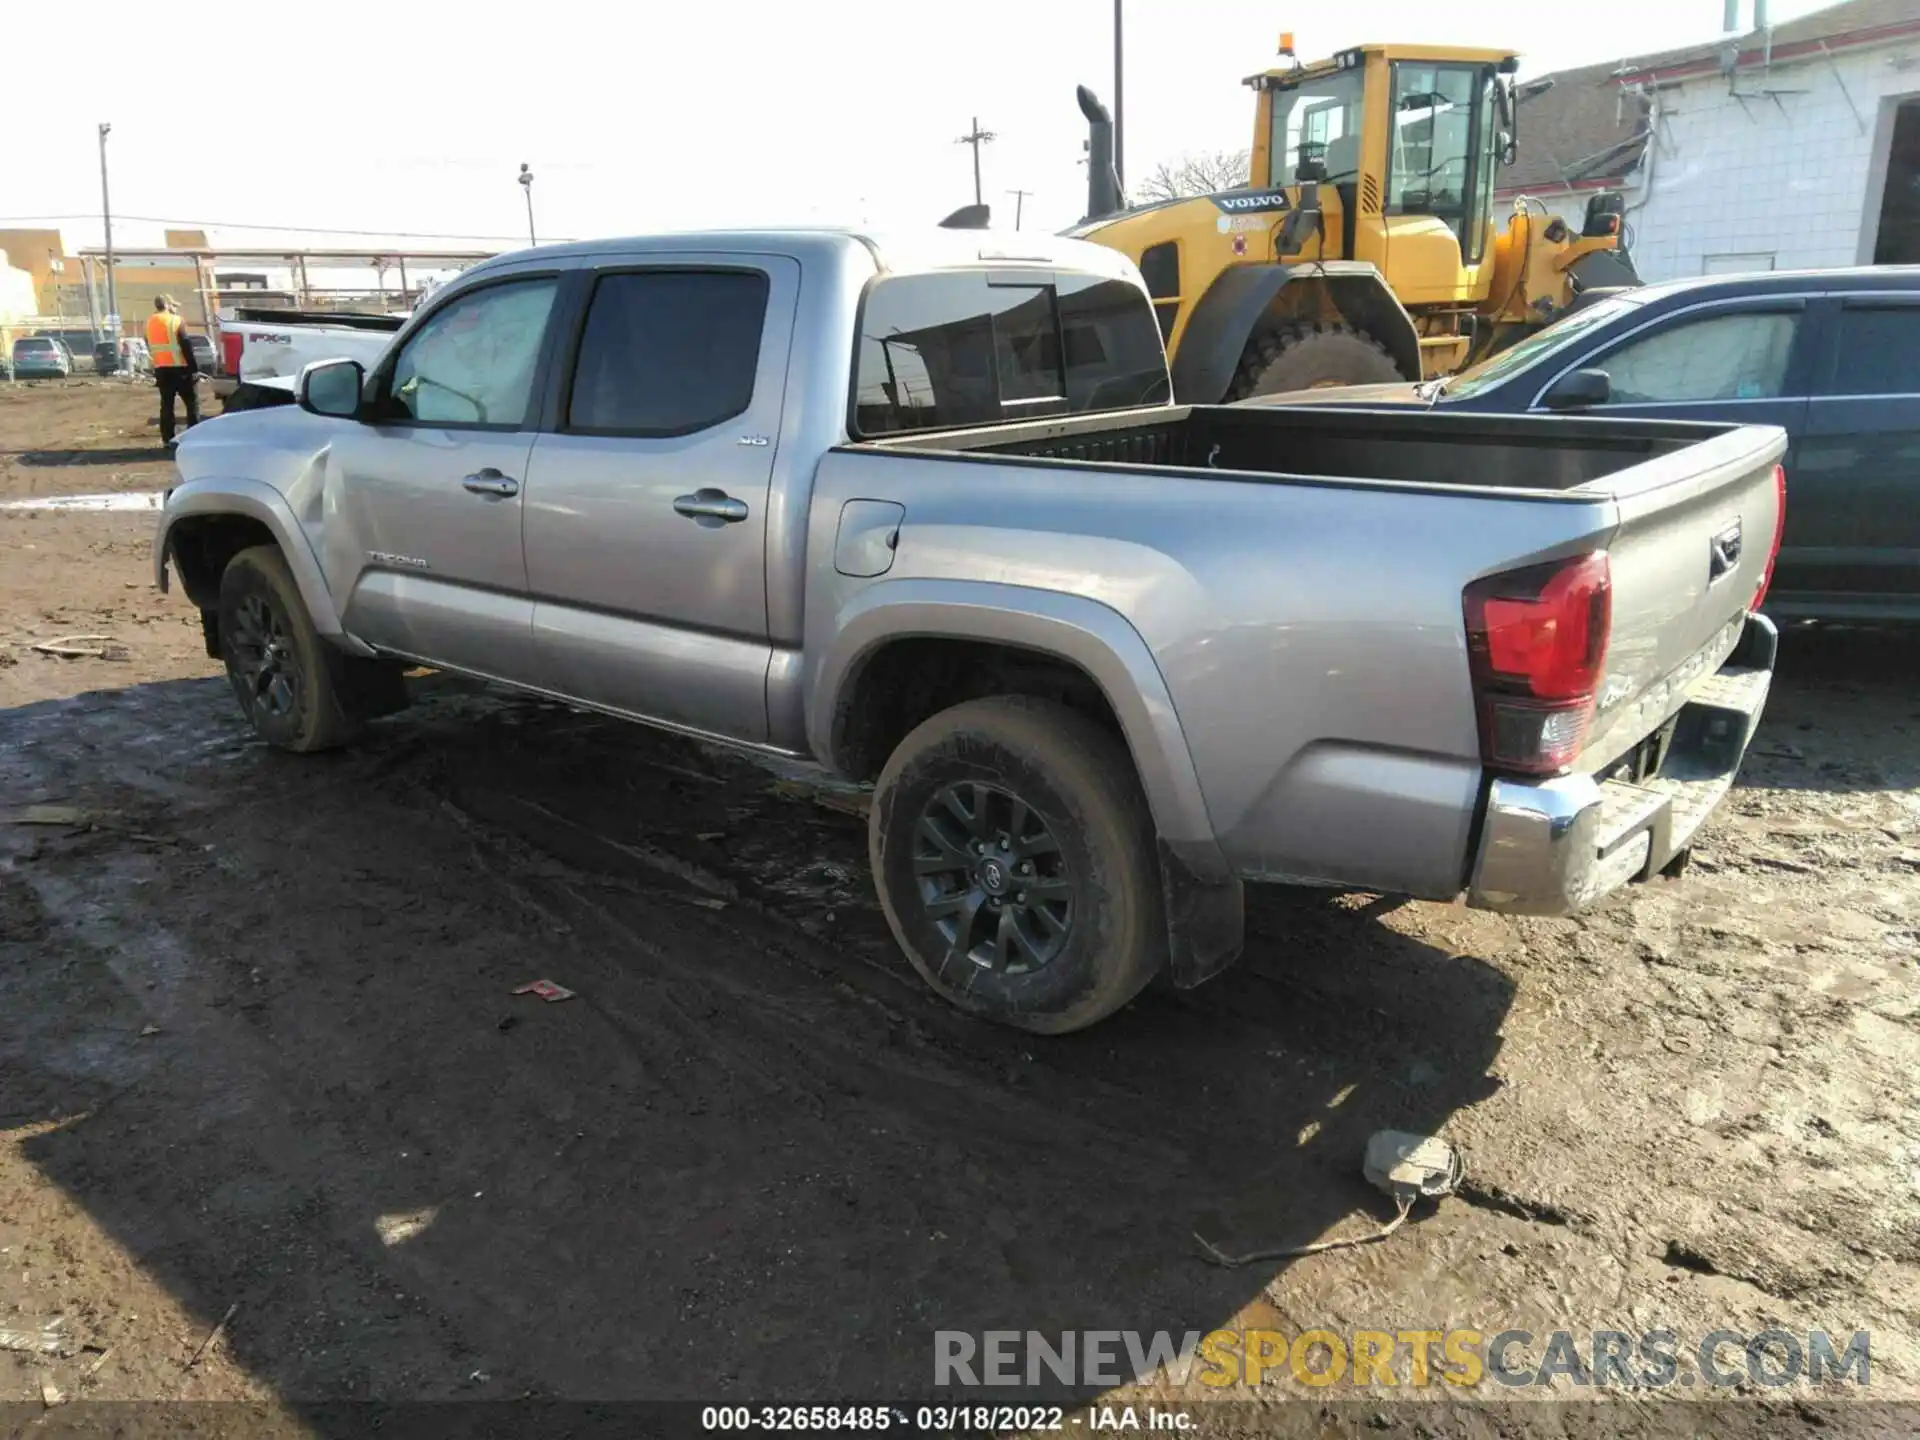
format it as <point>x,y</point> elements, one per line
<point>526,184</point>
<point>106,216</point>
<point>1119,102</point>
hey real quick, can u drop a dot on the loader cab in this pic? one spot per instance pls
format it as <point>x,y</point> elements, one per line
<point>1410,138</point>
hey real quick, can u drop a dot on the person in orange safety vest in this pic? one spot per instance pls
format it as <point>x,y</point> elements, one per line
<point>173,367</point>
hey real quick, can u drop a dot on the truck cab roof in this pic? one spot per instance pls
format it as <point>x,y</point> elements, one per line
<point>907,250</point>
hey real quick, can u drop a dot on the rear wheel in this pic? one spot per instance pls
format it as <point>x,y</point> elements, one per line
<point>277,663</point>
<point>1013,852</point>
<point>1311,357</point>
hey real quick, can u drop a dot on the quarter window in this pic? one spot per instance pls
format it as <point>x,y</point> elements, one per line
<point>473,362</point>
<point>1721,357</point>
<point>668,352</point>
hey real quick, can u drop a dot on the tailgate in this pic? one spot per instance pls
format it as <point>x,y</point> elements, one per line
<point>1696,533</point>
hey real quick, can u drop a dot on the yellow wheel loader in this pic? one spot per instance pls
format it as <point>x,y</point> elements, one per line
<point>1363,247</point>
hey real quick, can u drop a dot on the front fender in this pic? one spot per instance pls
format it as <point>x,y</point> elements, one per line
<point>1240,300</point>
<point>256,501</point>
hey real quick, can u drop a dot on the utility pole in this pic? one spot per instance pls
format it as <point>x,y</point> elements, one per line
<point>1019,204</point>
<point>526,184</point>
<point>976,137</point>
<point>93,306</point>
<point>106,216</point>
<point>1119,103</point>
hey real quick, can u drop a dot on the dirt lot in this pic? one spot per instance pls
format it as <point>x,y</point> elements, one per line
<point>258,1049</point>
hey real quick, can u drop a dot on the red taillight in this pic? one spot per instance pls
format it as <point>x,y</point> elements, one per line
<point>1537,642</point>
<point>1779,531</point>
<point>231,344</point>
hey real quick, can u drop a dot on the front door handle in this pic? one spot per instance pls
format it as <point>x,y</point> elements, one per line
<point>491,482</point>
<point>711,508</point>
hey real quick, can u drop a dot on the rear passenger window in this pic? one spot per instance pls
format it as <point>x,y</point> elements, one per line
<point>668,352</point>
<point>1721,357</point>
<point>1879,352</point>
<point>973,348</point>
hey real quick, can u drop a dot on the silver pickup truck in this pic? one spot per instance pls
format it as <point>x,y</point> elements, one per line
<point>922,511</point>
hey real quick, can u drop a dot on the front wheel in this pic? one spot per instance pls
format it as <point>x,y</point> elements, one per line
<point>1014,856</point>
<point>1311,357</point>
<point>276,662</point>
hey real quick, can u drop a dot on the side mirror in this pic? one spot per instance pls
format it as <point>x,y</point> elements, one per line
<point>332,387</point>
<point>1578,389</point>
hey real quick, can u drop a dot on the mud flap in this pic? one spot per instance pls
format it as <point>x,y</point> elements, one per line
<point>1206,921</point>
<point>368,688</point>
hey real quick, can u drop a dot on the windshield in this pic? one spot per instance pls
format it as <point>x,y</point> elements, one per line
<point>1323,115</point>
<point>1538,346</point>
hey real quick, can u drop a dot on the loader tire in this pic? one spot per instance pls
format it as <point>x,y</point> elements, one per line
<point>1311,357</point>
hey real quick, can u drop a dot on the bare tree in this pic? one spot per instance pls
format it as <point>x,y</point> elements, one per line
<point>1199,173</point>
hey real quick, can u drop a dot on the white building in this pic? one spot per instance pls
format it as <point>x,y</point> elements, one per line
<point>1791,146</point>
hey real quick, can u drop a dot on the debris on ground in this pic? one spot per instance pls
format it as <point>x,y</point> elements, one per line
<point>49,1339</point>
<point>213,1335</point>
<point>1407,1167</point>
<point>81,647</point>
<point>50,815</point>
<point>545,989</point>
<point>50,1395</point>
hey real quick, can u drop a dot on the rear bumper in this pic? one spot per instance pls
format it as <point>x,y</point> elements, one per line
<point>1554,847</point>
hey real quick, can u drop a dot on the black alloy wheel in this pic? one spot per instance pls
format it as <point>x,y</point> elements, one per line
<point>992,878</point>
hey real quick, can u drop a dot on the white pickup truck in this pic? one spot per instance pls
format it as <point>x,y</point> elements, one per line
<point>262,352</point>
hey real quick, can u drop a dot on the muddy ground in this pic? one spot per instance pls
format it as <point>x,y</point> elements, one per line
<point>260,1054</point>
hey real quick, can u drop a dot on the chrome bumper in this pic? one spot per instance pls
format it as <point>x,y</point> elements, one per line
<point>1554,847</point>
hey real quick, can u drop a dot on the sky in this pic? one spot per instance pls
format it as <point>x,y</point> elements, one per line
<point>415,116</point>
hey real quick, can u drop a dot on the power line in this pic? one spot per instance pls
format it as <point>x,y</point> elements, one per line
<point>291,229</point>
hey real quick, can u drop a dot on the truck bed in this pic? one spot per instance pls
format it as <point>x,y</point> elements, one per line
<point>1685,514</point>
<point>1305,444</point>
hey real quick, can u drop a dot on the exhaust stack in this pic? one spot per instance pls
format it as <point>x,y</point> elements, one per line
<point>1103,181</point>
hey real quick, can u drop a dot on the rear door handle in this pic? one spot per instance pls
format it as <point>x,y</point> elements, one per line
<point>491,482</point>
<point>711,508</point>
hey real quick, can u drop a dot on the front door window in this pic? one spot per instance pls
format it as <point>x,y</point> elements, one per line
<point>473,362</point>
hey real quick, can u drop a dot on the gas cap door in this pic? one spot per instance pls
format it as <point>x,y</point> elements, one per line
<point>869,534</point>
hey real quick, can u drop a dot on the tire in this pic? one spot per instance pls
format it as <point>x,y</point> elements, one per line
<point>281,671</point>
<point>1087,932</point>
<point>1311,357</point>
<point>244,397</point>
